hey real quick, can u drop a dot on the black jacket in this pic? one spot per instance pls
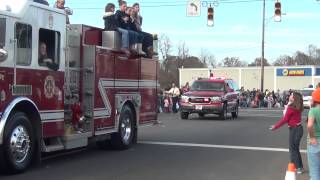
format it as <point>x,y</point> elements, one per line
<point>119,18</point>
<point>110,23</point>
<point>131,25</point>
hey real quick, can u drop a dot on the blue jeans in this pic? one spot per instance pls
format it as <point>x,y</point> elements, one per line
<point>124,38</point>
<point>313,152</point>
<point>135,37</point>
<point>295,135</point>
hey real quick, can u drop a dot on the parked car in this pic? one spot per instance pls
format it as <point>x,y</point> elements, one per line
<point>211,96</point>
<point>306,93</point>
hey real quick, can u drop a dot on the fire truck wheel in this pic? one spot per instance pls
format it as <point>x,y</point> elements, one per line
<point>201,115</point>
<point>184,115</point>
<point>123,139</point>
<point>18,144</point>
<point>224,113</point>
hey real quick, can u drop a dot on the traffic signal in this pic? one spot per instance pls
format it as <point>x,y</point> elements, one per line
<point>277,11</point>
<point>210,16</point>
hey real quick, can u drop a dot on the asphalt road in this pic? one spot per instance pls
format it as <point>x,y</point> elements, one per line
<point>194,149</point>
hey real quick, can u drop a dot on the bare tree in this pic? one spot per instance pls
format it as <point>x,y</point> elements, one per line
<point>303,59</point>
<point>183,50</point>
<point>232,62</point>
<point>207,58</point>
<point>164,46</point>
<point>257,62</point>
<point>284,60</point>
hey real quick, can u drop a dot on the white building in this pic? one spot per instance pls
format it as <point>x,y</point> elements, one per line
<point>275,77</point>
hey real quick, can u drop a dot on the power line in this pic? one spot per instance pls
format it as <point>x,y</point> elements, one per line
<point>169,4</point>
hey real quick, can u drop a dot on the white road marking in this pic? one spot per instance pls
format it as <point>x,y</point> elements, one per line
<point>219,146</point>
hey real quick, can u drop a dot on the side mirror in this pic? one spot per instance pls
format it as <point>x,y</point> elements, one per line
<point>3,55</point>
<point>68,11</point>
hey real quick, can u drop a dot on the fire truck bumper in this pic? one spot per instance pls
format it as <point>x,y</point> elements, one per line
<point>207,109</point>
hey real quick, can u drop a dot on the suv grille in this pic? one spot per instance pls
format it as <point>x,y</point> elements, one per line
<point>199,100</point>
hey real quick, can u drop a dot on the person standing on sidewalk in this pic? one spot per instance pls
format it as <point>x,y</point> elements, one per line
<point>313,140</point>
<point>293,118</point>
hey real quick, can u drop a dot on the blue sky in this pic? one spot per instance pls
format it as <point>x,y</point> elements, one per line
<point>237,25</point>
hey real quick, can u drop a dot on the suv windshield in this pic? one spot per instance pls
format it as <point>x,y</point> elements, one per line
<point>2,32</point>
<point>306,92</point>
<point>207,86</point>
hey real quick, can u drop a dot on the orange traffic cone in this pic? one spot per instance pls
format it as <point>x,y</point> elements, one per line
<point>291,172</point>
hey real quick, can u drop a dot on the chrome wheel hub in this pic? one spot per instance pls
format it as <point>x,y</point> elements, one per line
<point>126,130</point>
<point>19,144</point>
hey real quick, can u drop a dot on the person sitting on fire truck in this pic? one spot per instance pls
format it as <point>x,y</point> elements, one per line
<point>110,23</point>
<point>60,5</point>
<point>44,60</point>
<point>126,34</point>
<point>147,43</point>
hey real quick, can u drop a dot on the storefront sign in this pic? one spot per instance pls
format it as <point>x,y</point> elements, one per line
<point>294,72</point>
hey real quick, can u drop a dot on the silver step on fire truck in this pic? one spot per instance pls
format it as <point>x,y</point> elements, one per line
<point>61,87</point>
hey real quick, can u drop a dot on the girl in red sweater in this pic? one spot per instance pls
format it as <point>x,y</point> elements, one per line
<point>293,118</point>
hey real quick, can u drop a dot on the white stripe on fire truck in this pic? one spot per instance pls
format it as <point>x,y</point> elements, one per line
<point>105,99</point>
<point>148,114</point>
<point>126,83</point>
<point>147,83</point>
<point>106,83</point>
<point>51,116</point>
<point>50,111</point>
<point>99,113</point>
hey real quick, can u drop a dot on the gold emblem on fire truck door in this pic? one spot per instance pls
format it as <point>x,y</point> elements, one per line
<point>49,87</point>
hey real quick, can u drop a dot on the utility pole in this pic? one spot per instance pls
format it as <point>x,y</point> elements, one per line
<point>262,48</point>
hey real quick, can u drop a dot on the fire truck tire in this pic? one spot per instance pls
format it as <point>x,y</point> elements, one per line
<point>184,115</point>
<point>123,139</point>
<point>223,115</point>
<point>18,147</point>
<point>201,115</point>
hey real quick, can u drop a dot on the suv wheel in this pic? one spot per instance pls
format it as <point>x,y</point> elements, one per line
<point>235,112</point>
<point>224,113</point>
<point>184,115</point>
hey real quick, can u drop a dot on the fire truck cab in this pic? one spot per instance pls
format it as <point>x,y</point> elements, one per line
<point>60,88</point>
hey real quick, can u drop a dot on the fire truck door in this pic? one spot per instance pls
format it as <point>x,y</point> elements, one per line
<point>37,73</point>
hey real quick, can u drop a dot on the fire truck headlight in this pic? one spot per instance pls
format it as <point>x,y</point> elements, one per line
<point>184,98</point>
<point>3,55</point>
<point>216,99</point>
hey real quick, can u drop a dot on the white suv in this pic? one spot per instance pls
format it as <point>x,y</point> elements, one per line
<point>307,96</point>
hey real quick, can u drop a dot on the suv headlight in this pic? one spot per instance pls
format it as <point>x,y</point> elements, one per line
<point>184,98</point>
<point>216,99</point>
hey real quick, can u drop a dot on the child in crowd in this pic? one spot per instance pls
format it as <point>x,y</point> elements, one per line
<point>167,103</point>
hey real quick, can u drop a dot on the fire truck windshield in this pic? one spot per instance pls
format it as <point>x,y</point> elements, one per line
<point>207,86</point>
<point>13,6</point>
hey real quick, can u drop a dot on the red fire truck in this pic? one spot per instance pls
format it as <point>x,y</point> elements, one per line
<point>84,91</point>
